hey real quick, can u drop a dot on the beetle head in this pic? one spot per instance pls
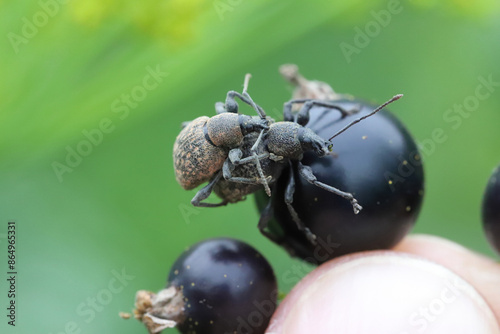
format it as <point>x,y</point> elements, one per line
<point>310,141</point>
<point>250,124</point>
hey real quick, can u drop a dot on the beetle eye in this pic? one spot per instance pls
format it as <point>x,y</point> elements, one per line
<point>330,147</point>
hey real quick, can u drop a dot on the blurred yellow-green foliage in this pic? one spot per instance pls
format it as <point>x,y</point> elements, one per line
<point>76,69</point>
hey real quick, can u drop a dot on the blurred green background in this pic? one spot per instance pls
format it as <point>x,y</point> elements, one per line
<point>77,69</point>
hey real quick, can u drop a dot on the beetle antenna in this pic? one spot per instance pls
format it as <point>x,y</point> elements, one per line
<point>257,108</point>
<point>394,98</point>
<point>245,83</point>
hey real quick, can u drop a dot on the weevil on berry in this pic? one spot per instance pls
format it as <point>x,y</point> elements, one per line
<point>239,154</point>
<point>205,144</point>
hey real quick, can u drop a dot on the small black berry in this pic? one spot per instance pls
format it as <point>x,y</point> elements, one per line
<point>491,210</point>
<point>217,286</point>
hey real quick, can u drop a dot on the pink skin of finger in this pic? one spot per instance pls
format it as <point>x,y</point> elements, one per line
<point>384,292</point>
<point>482,272</point>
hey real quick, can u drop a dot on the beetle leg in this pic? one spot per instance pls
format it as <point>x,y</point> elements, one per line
<point>205,192</point>
<point>220,108</point>
<point>275,157</point>
<point>258,109</point>
<point>232,106</point>
<point>235,157</point>
<point>252,158</point>
<point>247,180</point>
<point>288,115</point>
<point>266,215</point>
<point>257,163</point>
<point>265,181</point>
<point>228,168</point>
<point>307,174</point>
<point>302,117</point>
<point>290,190</point>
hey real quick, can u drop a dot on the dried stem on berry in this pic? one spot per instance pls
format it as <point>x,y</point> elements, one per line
<point>158,311</point>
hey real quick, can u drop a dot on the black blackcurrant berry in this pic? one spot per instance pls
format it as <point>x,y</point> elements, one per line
<point>491,210</point>
<point>378,162</point>
<point>217,286</point>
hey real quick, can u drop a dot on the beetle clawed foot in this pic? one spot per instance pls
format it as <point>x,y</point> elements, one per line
<point>275,157</point>
<point>356,109</point>
<point>355,206</point>
<point>266,182</point>
<point>263,124</point>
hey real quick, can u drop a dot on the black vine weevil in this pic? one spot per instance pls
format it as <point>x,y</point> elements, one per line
<point>239,154</point>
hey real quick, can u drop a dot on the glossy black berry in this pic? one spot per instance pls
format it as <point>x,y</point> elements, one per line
<point>491,210</point>
<point>228,287</point>
<point>378,162</point>
<point>217,286</point>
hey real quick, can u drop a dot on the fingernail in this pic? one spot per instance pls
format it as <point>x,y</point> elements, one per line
<point>383,292</point>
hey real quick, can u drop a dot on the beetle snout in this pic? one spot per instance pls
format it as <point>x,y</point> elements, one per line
<point>321,149</point>
<point>326,149</point>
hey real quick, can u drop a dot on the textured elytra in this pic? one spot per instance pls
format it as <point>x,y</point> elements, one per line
<point>195,159</point>
<point>283,139</point>
<point>224,130</point>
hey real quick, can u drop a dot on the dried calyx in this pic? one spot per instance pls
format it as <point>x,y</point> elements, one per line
<point>158,311</point>
<point>307,89</point>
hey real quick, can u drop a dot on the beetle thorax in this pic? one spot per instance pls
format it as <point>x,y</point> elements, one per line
<point>283,139</point>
